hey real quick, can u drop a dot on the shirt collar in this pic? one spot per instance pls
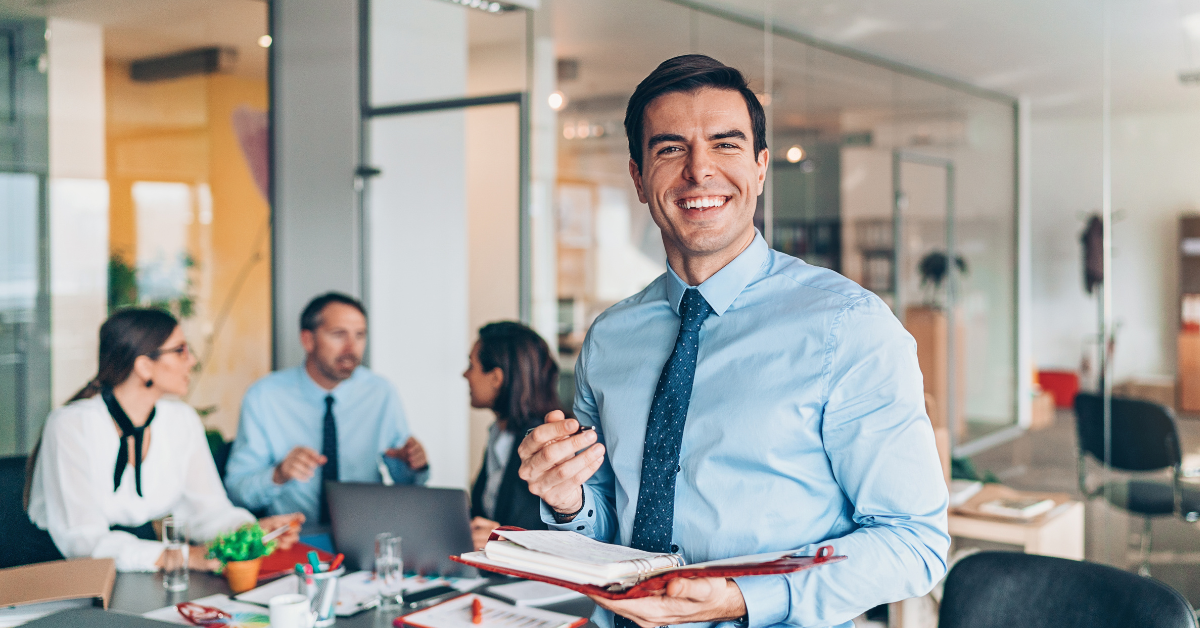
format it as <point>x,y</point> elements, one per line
<point>722,288</point>
<point>314,390</point>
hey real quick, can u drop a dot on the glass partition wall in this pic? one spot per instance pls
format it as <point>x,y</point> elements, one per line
<point>133,162</point>
<point>901,181</point>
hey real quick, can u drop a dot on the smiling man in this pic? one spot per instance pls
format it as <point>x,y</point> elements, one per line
<point>328,419</point>
<point>744,402</point>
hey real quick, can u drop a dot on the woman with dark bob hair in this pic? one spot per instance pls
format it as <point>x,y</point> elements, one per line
<point>512,374</point>
<point>119,456</point>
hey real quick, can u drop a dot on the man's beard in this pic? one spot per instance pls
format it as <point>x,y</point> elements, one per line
<point>340,368</point>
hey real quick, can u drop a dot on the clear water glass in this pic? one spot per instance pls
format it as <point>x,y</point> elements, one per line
<point>175,555</point>
<point>389,571</point>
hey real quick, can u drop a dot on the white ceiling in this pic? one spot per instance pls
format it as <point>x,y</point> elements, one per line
<point>1048,50</point>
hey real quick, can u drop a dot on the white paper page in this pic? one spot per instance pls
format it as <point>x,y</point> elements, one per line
<point>262,595</point>
<point>533,593</point>
<point>541,570</point>
<point>748,560</point>
<point>456,613</point>
<point>243,614</point>
<point>574,546</point>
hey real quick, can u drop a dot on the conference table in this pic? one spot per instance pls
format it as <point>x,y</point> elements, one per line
<point>138,593</point>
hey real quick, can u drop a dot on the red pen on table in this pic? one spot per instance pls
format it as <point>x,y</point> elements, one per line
<point>476,611</point>
<point>337,562</point>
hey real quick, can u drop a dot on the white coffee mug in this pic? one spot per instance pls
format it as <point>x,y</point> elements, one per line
<point>291,611</point>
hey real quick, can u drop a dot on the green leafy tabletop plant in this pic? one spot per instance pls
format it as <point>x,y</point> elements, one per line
<point>244,543</point>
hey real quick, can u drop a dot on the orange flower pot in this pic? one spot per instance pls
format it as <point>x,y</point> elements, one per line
<point>242,575</point>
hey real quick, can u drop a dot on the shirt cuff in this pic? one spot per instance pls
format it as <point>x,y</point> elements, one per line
<point>767,599</point>
<point>583,523</point>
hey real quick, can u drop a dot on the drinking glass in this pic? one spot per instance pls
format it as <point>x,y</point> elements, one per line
<point>389,571</point>
<point>175,555</point>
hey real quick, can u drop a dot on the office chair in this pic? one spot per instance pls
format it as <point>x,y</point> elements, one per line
<point>1004,589</point>
<point>23,543</point>
<point>1144,438</point>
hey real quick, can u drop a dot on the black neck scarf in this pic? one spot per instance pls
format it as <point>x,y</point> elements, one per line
<point>127,430</point>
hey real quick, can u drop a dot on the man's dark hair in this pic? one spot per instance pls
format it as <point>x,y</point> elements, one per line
<point>688,73</point>
<point>310,319</point>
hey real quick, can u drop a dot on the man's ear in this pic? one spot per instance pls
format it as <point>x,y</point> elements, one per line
<point>636,174</point>
<point>764,158</point>
<point>308,340</point>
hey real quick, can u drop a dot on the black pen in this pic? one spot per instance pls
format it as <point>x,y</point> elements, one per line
<point>582,429</point>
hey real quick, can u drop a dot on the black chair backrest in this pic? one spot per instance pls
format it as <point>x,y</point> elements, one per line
<point>22,542</point>
<point>1144,436</point>
<point>1005,589</point>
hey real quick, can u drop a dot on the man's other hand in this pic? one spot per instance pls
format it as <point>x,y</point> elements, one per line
<point>412,454</point>
<point>300,464</point>
<point>481,529</point>
<point>552,468</point>
<point>684,601</point>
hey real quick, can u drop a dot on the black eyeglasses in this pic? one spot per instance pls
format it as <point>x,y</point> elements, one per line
<point>181,350</point>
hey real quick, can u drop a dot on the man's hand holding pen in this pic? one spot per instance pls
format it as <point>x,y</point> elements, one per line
<point>557,457</point>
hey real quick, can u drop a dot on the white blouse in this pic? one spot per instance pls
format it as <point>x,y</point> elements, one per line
<point>72,493</point>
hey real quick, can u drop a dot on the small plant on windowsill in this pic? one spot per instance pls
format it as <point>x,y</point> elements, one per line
<point>241,553</point>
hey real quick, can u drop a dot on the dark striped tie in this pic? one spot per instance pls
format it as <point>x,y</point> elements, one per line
<point>329,449</point>
<point>655,518</point>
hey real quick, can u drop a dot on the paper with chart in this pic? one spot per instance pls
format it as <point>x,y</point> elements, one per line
<point>457,613</point>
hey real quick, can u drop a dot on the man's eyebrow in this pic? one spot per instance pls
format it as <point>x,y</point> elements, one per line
<point>732,133</point>
<point>664,137</point>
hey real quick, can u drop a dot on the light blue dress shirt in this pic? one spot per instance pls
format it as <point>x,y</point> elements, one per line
<point>806,427</point>
<point>286,409</point>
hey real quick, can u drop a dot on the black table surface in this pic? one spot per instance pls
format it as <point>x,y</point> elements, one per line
<point>138,593</point>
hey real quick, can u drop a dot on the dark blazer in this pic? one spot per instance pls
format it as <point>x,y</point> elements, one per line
<point>515,505</point>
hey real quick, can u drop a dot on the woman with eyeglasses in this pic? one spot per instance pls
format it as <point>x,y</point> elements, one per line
<point>512,373</point>
<point>119,455</point>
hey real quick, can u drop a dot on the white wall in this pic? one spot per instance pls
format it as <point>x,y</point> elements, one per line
<point>1156,178</point>
<point>78,203</point>
<point>418,227</point>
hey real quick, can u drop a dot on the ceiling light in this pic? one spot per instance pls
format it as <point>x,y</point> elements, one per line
<point>569,131</point>
<point>557,101</point>
<point>795,154</point>
<point>264,41</point>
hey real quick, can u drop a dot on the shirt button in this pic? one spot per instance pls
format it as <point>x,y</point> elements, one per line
<point>674,548</point>
<point>678,469</point>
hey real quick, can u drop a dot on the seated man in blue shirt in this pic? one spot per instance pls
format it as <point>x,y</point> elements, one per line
<point>747,402</point>
<point>330,419</point>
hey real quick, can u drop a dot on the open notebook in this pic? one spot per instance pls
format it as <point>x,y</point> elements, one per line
<point>573,561</point>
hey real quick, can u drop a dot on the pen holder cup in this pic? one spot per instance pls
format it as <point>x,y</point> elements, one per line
<point>322,594</point>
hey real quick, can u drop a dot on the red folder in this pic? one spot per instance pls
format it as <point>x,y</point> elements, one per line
<point>283,562</point>
<point>651,586</point>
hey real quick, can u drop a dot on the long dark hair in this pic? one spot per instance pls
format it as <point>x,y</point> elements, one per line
<point>124,337</point>
<point>530,386</point>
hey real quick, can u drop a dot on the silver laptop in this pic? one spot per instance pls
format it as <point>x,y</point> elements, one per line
<point>433,523</point>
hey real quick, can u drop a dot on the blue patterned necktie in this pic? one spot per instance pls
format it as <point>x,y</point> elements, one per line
<point>655,519</point>
<point>652,526</point>
<point>329,449</point>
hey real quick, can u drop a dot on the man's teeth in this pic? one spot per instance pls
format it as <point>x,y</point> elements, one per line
<point>704,203</point>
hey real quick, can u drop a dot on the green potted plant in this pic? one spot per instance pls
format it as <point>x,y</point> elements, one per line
<point>241,552</point>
